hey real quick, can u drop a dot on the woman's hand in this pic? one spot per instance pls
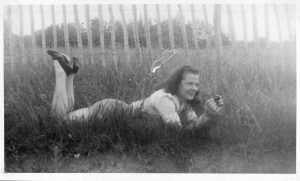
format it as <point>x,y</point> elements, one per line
<point>213,106</point>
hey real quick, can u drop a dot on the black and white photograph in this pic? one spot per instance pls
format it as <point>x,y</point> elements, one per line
<point>183,87</point>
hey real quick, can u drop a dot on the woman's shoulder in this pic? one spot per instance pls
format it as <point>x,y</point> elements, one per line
<point>161,93</point>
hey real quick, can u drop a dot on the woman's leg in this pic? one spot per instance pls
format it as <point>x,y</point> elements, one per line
<point>99,110</point>
<point>63,100</point>
<point>60,103</point>
<point>70,92</point>
<point>74,64</point>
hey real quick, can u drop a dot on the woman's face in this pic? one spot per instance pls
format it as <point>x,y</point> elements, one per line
<point>188,86</point>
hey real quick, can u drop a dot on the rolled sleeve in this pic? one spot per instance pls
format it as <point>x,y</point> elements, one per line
<point>191,115</point>
<point>166,107</point>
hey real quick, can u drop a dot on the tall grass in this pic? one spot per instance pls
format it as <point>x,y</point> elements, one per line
<point>259,95</point>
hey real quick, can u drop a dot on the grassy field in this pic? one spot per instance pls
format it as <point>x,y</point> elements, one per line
<point>256,133</point>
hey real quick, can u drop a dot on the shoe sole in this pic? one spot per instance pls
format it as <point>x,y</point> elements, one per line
<point>64,63</point>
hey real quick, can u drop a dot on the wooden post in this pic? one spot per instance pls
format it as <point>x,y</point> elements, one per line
<point>267,31</point>
<point>101,31</point>
<point>78,33</point>
<point>278,22</point>
<point>54,27</point>
<point>288,22</point>
<point>183,31</point>
<point>160,46</point>
<point>208,44</point>
<point>33,41</point>
<point>10,39</point>
<point>66,32</point>
<point>89,32</point>
<point>147,31</point>
<point>43,34</point>
<point>135,26</point>
<point>231,23</point>
<point>266,52</point>
<point>254,24</point>
<point>136,33</point>
<point>171,34</point>
<point>21,42</point>
<point>113,38</point>
<point>279,35</point>
<point>244,22</point>
<point>217,31</point>
<point>194,27</point>
<point>125,36</point>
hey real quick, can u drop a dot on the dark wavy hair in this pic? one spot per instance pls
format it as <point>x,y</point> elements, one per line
<point>172,84</point>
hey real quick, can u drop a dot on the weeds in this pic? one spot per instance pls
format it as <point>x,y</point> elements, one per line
<point>259,109</point>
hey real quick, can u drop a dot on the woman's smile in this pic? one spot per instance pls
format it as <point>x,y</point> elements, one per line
<point>192,93</point>
<point>188,86</point>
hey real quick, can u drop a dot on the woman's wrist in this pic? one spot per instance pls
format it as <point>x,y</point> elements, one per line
<point>200,121</point>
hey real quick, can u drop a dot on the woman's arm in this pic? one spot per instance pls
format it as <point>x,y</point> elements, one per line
<point>198,121</point>
<point>212,108</point>
<point>166,107</point>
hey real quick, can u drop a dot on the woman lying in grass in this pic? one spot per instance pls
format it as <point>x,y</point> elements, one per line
<point>178,95</point>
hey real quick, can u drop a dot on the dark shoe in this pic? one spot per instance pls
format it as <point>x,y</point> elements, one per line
<point>75,65</point>
<point>62,60</point>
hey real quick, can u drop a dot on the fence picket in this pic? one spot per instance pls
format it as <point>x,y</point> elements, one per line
<point>136,34</point>
<point>147,31</point>
<point>254,24</point>
<point>217,30</point>
<point>113,37</point>
<point>244,22</point>
<point>43,34</point>
<point>21,41</point>
<point>267,31</point>
<point>125,36</point>
<point>33,41</point>
<point>288,22</point>
<point>171,32</point>
<point>66,31</point>
<point>78,33</point>
<point>54,27</point>
<point>160,46</point>
<point>101,31</point>
<point>231,23</point>
<point>89,32</point>
<point>195,38</point>
<point>278,22</point>
<point>207,28</point>
<point>183,31</point>
<point>10,39</point>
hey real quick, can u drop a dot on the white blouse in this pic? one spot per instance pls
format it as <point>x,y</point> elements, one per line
<point>164,104</point>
